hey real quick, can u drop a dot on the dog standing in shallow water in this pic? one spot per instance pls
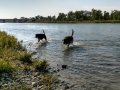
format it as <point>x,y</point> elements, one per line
<point>41,36</point>
<point>68,39</point>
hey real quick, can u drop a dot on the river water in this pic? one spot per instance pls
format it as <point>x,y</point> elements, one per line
<point>93,60</point>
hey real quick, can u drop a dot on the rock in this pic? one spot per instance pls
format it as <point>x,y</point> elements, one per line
<point>36,74</point>
<point>66,87</point>
<point>50,70</point>
<point>58,70</point>
<point>34,84</point>
<point>62,81</point>
<point>64,66</point>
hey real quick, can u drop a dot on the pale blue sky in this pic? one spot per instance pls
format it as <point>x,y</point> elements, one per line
<point>31,8</point>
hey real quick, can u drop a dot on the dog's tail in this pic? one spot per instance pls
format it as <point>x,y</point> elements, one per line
<point>43,32</point>
<point>72,32</point>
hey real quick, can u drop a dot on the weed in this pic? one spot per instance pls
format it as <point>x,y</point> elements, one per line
<point>6,67</point>
<point>25,57</point>
<point>41,65</point>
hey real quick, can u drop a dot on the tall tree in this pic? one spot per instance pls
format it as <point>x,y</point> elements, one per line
<point>106,15</point>
<point>61,17</point>
<point>71,16</point>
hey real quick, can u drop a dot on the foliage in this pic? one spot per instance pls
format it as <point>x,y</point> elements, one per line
<point>8,41</point>
<point>8,46</point>
<point>14,57</point>
<point>6,67</point>
<point>77,16</point>
<point>41,65</point>
<point>48,81</point>
<point>25,57</point>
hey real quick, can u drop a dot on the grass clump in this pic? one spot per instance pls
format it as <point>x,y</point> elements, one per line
<point>25,57</point>
<point>14,57</point>
<point>48,81</point>
<point>6,67</point>
<point>41,65</point>
<point>8,47</point>
<point>8,41</point>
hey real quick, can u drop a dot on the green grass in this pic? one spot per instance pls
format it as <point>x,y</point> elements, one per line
<point>13,56</point>
<point>8,41</point>
<point>48,81</point>
<point>41,65</point>
<point>25,57</point>
<point>8,47</point>
<point>6,67</point>
<point>11,49</point>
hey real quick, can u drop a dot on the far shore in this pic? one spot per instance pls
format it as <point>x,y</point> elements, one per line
<point>88,21</point>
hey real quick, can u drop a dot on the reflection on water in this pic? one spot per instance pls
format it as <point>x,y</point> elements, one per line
<point>93,60</point>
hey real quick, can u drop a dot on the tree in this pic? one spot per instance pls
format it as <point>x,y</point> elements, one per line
<point>71,16</point>
<point>61,17</point>
<point>96,14</point>
<point>37,17</point>
<point>49,18</point>
<point>15,20</point>
<point>106,15</point>
<point>79,15</point>
<point>115,15</point>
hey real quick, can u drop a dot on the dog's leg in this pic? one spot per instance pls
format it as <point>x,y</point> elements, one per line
<point>45,39</point>
<point>38,39</point>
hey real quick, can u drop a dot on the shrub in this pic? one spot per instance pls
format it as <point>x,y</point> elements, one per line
<point>41,65</point>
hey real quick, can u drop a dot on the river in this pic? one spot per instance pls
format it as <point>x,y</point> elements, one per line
<point>93,60</point>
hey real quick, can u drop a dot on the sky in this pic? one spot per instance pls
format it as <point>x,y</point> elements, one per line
<point>10,9</point>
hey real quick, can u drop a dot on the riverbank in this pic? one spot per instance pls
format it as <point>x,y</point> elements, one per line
<point>82,21</point>
<point>89,21</point>
<point>19,71</point>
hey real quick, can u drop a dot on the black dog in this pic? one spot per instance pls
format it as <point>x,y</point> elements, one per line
<point>68,39</point>
<point>41,36</point>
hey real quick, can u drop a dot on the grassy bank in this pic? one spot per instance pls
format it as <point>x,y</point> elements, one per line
<point>82,21</point>
<point>15,62</point>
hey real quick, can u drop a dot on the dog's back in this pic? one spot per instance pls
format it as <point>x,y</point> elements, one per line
<point>68,39</point>
<point>41,36</point>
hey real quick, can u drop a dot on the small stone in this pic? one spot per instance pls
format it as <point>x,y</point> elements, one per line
<point>66,87</point>
<point>64,66</point>
<point>34,84</point>
<point>36,74</point>
<point>58,70</point>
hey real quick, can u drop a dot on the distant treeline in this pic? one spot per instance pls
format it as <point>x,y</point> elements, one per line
<point>75,17</point>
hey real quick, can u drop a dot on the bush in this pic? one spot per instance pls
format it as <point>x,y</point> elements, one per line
<point>41,65</point>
